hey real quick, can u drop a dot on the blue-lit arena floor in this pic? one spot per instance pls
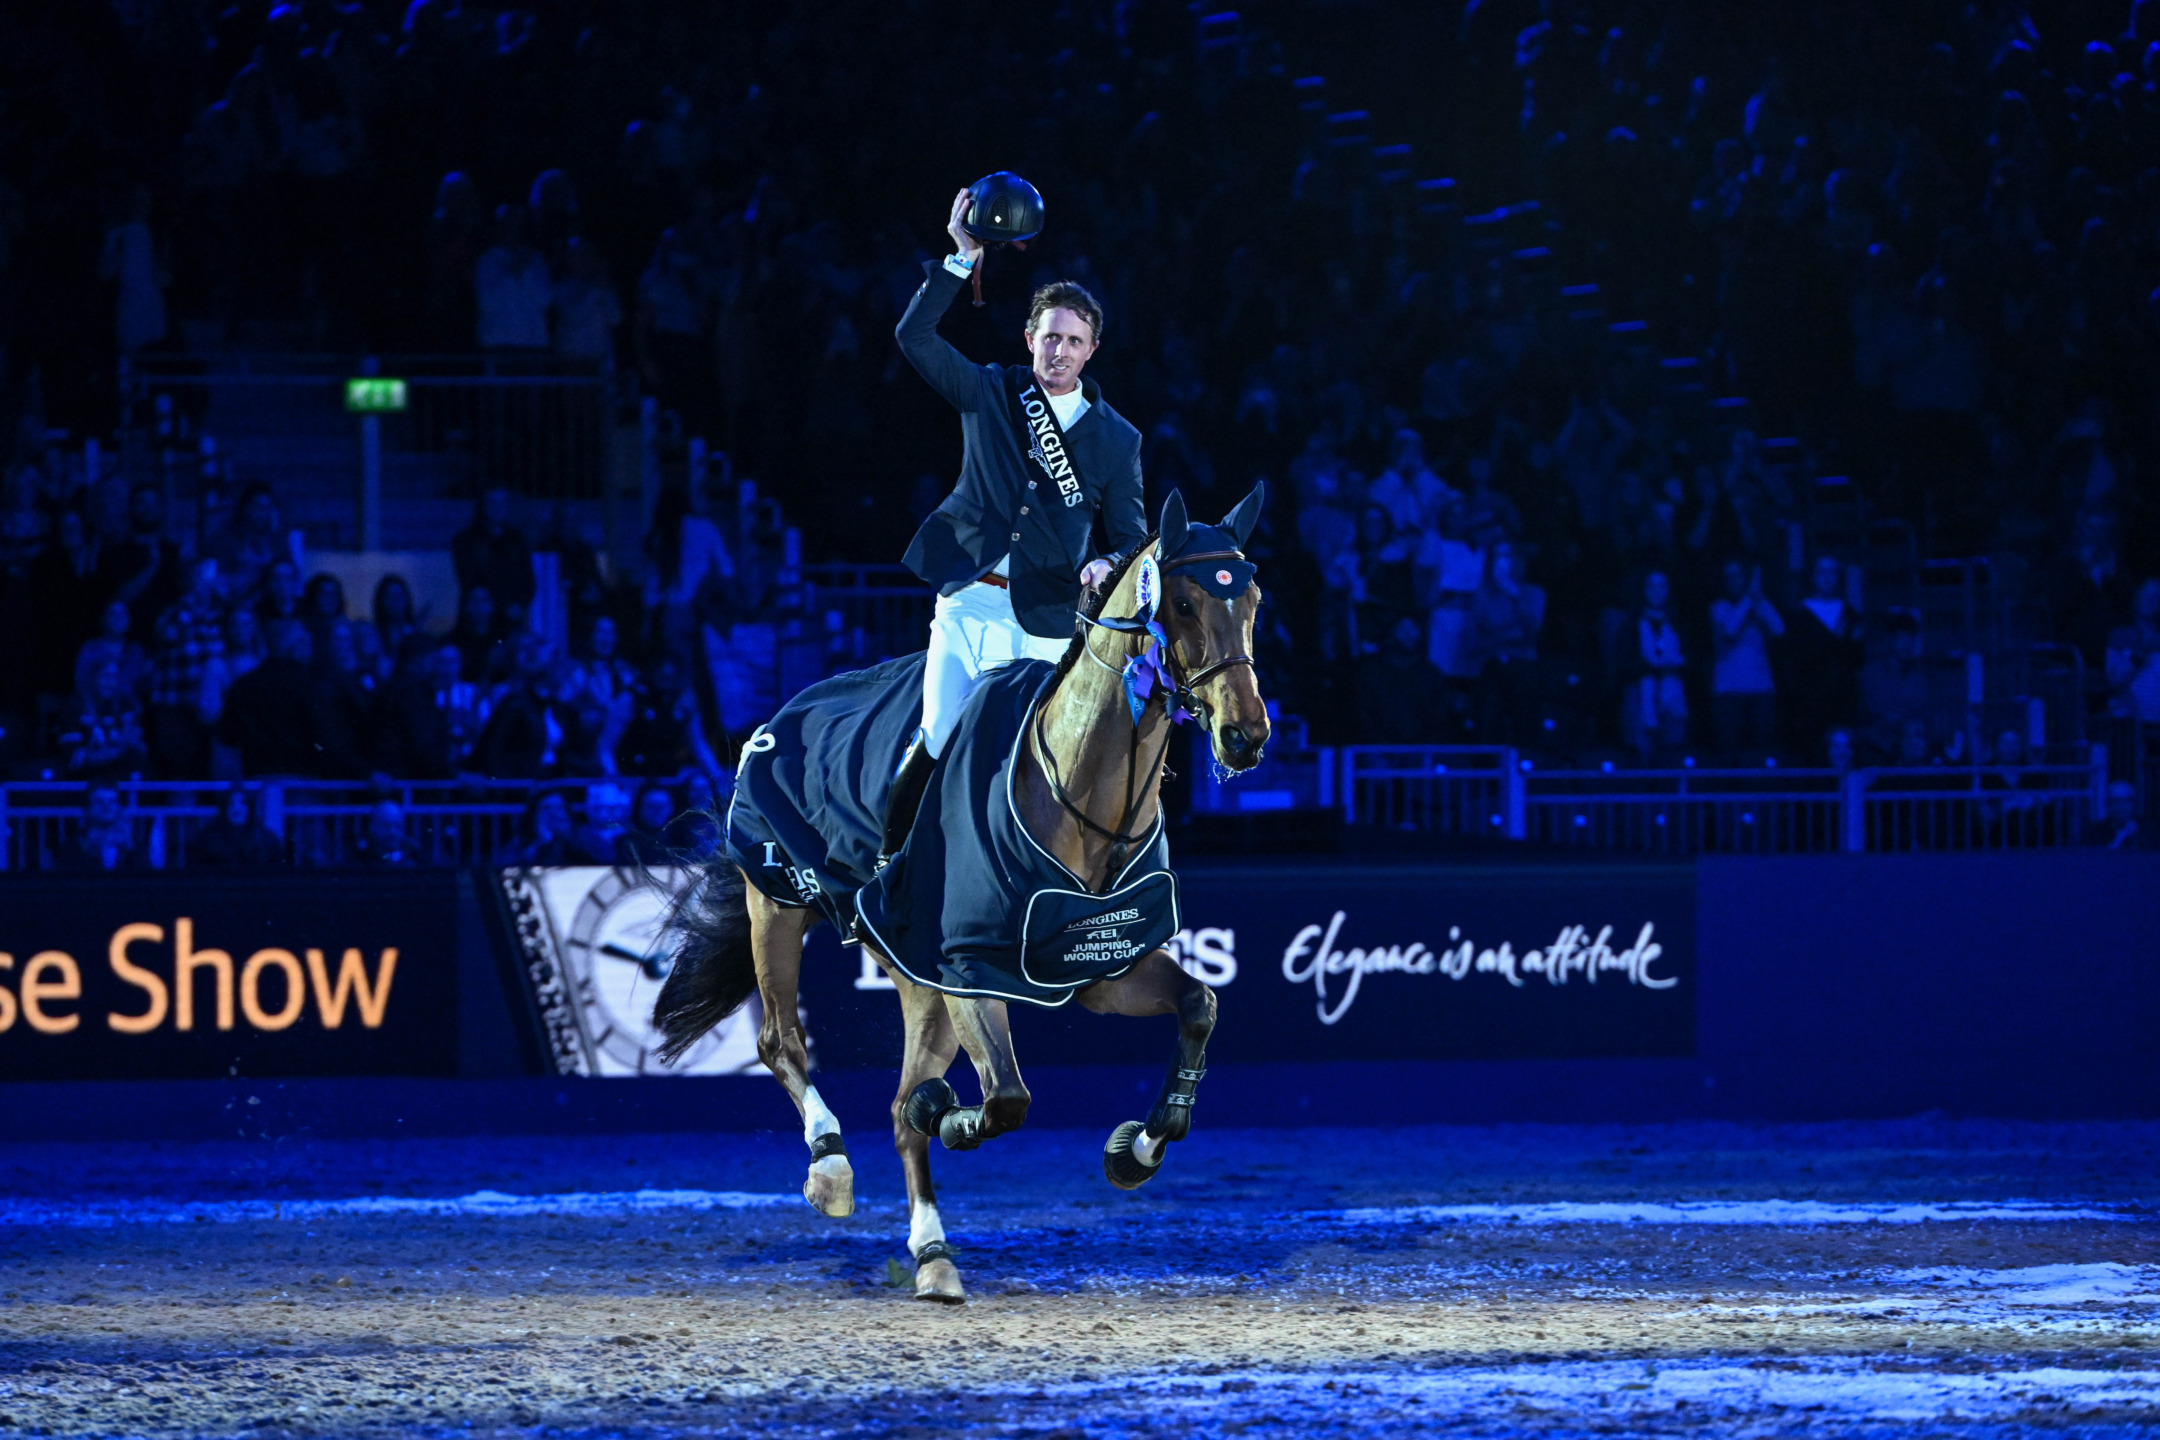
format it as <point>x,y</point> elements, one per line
<point>1927,1277</point>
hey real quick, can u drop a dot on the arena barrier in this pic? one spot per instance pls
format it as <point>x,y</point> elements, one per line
<point>1744,987</point>
<point>1493,793</point>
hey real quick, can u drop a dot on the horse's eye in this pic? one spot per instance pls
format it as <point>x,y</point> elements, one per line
<point>1184,606</point>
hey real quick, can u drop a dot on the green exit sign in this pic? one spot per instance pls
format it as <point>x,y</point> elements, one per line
<point>374,395</point>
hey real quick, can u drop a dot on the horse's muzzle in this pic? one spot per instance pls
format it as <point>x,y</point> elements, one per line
<point>1238,747</point>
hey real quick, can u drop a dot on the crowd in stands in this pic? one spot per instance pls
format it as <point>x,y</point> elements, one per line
<point>1545,442</point>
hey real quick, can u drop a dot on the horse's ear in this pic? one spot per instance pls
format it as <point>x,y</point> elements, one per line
<point>1173,527</point>
<point>1240,521</point>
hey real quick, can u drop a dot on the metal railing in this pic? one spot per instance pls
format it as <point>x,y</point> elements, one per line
<point>1464,792</point>
<point>886,603</point>
<point>1448,792</point>
<point>317,823</point>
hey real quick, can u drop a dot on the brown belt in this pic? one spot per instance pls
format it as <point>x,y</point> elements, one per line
<point>993,578</point>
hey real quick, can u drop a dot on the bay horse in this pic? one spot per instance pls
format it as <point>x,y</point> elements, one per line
<point>1084,783</point>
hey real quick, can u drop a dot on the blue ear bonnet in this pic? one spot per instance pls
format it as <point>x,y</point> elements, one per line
<point>1211,556</point>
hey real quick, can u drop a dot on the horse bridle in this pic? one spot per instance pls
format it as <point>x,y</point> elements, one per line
<point>1121,842</point>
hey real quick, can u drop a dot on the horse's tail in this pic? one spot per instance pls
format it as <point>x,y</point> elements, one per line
<point>715,970</point>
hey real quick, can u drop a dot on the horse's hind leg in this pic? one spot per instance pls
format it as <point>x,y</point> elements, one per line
<point>1157,985</point>
<point>776,940</point>
<point>985,1029</point>
<point>929,1047</point>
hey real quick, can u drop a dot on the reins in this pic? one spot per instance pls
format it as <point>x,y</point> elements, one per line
<point>1121,841</point>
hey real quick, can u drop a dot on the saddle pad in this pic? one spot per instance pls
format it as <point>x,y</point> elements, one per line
<point>1069,934</point>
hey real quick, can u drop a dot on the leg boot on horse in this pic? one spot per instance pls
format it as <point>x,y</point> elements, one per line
<point>1157,985</point>
<point>929,1046</point>
<point>984,1027</point>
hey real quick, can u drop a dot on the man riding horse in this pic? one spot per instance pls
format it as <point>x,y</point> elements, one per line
<point>1035,868</point>
<point>1009,549</point>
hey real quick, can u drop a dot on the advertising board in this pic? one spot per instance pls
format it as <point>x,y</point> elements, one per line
<point>141,976</point>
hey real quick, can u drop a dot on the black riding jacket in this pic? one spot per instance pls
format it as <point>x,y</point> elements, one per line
<point>1003,503</point>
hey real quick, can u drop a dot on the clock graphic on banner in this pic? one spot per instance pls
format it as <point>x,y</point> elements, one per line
<point>614,957</point>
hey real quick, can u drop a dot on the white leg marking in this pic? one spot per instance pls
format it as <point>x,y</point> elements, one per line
<point>1148,1150</point>
<point>817,1120</point>
<point>923,1225</point>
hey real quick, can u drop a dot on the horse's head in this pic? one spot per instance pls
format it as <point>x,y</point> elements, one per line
<point>1209,602</point>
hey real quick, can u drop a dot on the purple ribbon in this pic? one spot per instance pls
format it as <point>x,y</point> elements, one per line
<point>1145,674</point>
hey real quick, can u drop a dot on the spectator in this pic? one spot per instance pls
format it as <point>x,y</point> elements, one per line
<point>245,646</point>
<point>673,354</point>
<point>385,844</point>
<point>1838,749</point>
<point>2133,660</point>
<point>143,570</point>
<point>429,719</point>
<point>249,544</point>
<point>132,263</point>
<point>1414,497</point>
<point>1824,653</point>
<point>663,736</point>
<point>113,647</point>
<point>1894,687</point>
<point>587,310</point>
<point>235,838</point>
<point>103,739</point>
<point>548,833</point>
<point>645,842</point>
<point>1743,699</point>
<point>1506,614</point>
<point>322,606</point>
<point>190,639</point>
<point>478,637</point>
<point>2118,827</point>
<point>280,598</point>
<point>599,697</point>
<point>1915,746</point>
<point>106,840</point>
<point>1655,721</point>
<point>2087,592</point>
<point>491,555</point>
<point>396,629</point>
<point>456,233</point>
<point>599,841</point>
<point>340,705</point>
<point>268,715</point>
<point>692,573</point>
<point>524,735</point>
<point>511,287</point>
<point>1387,565</point>
<point>1402,696</point>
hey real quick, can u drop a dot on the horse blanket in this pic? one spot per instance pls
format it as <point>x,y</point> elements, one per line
<point>972,904</point>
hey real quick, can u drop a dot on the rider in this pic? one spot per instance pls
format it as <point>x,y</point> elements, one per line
<point>1011,548</point>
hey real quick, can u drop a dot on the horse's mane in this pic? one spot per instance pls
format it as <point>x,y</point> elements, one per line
<point>1094,609</point>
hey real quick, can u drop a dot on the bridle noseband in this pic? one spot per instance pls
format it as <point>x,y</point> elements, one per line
<point>1181,693</point>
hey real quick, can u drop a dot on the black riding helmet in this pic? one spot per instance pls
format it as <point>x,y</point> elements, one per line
<point>1003,209</point>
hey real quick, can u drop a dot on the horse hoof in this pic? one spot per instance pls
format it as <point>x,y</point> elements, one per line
<point>1120,1166</point>
<point>831,1187</point>
<point>925,1103</point>
<point>939,1280</point>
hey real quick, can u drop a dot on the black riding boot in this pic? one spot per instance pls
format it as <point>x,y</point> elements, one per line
<point>906,798</point>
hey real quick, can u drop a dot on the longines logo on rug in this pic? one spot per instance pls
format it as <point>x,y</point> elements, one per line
<point>1312,956</point>
<point>185,987</point>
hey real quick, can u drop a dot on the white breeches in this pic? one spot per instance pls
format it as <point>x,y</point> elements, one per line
<point>973,632</point>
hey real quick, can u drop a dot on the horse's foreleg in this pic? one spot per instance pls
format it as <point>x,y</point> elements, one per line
<point>929,1045</point>
<point>985,1029</point>
<point>1157,985</point>
<point>776,938</point>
